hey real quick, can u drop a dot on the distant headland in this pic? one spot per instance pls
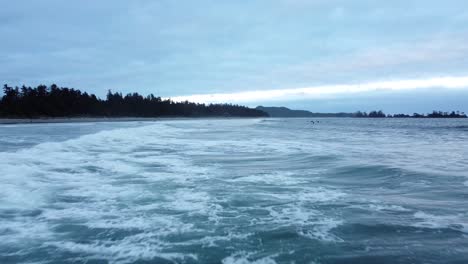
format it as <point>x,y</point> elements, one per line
<point>53,101</point>
<point>286,112</point>
<point>274,111</point>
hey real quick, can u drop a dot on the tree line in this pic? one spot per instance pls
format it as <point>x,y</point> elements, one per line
<point>434,114</point>
<point>54,101</point>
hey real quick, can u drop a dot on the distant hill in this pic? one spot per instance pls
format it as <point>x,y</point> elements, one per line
<point>286,112</point>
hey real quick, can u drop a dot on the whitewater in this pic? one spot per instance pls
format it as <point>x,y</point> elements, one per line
<point>243,191</point>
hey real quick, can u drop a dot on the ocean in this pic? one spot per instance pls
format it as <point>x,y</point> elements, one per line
<point>235,191</point>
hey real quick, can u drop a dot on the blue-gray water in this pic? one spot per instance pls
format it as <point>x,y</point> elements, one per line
<point>235,191</point>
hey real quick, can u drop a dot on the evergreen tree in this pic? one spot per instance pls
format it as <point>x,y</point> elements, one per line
<point>54,101</point>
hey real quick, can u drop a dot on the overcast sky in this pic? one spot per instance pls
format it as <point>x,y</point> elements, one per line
<point>321,55</point>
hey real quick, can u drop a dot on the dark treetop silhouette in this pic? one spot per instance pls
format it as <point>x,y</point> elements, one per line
<point>54,101</point>
<point>434,114</point>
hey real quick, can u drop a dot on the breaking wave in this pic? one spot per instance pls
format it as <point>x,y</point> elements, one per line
<point>230,191</point>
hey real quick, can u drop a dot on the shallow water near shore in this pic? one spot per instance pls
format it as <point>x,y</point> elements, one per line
<point>235,191</point>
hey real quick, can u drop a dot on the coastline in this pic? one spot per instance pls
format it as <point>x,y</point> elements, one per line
<point>12,121</point>
<point>7,121</point>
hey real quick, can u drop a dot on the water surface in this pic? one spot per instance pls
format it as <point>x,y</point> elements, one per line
<point>235,191</point>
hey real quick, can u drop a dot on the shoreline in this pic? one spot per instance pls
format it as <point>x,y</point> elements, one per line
<point>52,120</point>
<point>13,121</point>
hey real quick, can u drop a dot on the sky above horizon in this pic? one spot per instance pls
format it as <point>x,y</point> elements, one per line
<point>319,55</point>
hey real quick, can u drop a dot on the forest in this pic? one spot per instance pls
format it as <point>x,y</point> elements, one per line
<point>434,114</point>
<point>54,101</point>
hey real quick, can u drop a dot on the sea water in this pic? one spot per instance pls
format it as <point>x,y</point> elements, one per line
<point>235,191</point>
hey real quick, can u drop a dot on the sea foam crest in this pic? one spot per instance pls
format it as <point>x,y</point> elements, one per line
<point>243,257</point>
<point>145,192</point>
<point>456,222</point>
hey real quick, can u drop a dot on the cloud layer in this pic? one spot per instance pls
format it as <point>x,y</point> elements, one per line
<point>327,91</point>
<point>186,47</point>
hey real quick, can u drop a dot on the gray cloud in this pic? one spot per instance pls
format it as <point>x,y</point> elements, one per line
<point>192,47</point>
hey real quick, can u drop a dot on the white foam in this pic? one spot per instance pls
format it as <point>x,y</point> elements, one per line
<point>378,207</point>
<point>39,177</point>
<point>126,251</point>
<point>144,182</point>
<point>321,230</point>
<point>420,183</point>
<point>243,257</point>
<point>214,240</point>
<point>310,223</point>
<point>311,195</point>
<point>457,222</point>
<point>23,231</point>
<point>275,178</point>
